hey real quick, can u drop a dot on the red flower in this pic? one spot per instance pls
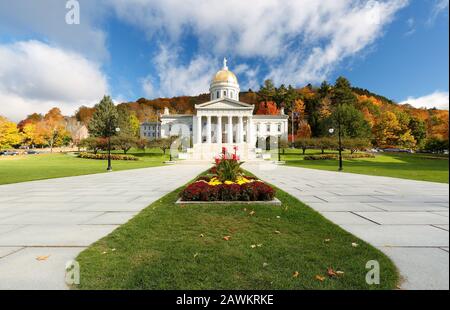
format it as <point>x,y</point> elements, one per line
<point>224,150</point>
<point>235,148</point>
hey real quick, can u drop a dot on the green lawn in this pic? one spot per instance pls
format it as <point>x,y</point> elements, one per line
<point>169,246</point>
<point>15,169</point>
<point>424,167</point>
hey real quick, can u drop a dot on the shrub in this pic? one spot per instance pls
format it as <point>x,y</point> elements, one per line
<point>359,155</point>
<point>320,157</point>
<point>228,167</point>
<point>94,144</point>
<point>105,156</point>
<point>335,156</point>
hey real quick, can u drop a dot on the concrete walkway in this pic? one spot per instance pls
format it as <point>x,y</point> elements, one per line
<point>59,218</point>
<point>408,220</point>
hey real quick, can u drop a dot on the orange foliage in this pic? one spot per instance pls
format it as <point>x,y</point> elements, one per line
<point>267,109</point>
<point>304,130</point>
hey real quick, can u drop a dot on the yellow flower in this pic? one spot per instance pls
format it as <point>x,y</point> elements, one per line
<point>229,182</point>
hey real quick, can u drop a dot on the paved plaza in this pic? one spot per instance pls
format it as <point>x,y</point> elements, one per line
<point>408,220</point>
<point>59,218</point>
<point>56,219</point>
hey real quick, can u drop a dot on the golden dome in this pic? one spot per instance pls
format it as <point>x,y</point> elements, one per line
<point>225,76</point>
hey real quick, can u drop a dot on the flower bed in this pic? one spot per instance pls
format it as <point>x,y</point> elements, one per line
<point>227,183</point>
<point>105,156</point>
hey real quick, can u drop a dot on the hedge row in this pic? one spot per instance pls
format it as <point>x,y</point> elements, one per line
<point>105,156</point>
<point>335,156</point>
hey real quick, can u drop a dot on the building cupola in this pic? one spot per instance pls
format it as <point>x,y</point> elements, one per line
<point>224,84</point>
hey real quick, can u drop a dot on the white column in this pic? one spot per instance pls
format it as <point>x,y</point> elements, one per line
<point>219,129</point>
<point>208,129</point>
<point>240,135</point>
<point>230,129</point>
<point>249,131</point>
<point>199,129</point>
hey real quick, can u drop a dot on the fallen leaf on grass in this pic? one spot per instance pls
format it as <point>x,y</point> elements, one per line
<point>104,252</point>
<point>278,217</point>
<point>43,257</point>
<point>113,250</point>
<point>245,209</point>
<point>327,240</point>
<point>227,238</point>
<point>331,273</point>
<point>253,246</point>
<point>259,245</point>
<point>265,264</point>
<point>202,235</point>
<point>277,232</point>
<point>339,273</point>
<point>295,274</point>
<point>320,278</point>
<point>195,255</point>
<point>252,213</point>
<point>355,245</point>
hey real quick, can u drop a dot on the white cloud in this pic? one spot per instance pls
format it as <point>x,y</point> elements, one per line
<point>178,79</point>
<point>45,19</point>
<point>295,41</point>
<point>438,99</point>
<point>439,6</point>
<point>35,77</point>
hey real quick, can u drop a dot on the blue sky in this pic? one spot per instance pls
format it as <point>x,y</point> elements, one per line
<point>138,48</point>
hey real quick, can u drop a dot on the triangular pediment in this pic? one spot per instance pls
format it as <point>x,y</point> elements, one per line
<point>224,104</point>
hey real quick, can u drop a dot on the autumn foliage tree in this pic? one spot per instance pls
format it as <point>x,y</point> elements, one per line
<point>9,134</point>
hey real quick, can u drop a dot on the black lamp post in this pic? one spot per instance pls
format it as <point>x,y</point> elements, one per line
<point>340,145</point>
<point>109,148</point>
<point>331,131</point>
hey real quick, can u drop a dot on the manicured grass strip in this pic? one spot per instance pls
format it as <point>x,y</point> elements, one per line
<point>422,167</point>
<point>169,246</point>
<point>16,169</point>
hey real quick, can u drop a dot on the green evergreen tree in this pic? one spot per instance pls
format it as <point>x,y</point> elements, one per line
<point>105,119</point>
<point>267,91</point>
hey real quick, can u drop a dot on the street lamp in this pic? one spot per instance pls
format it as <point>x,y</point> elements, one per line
<point>331,131</point>
<point>109,150</point>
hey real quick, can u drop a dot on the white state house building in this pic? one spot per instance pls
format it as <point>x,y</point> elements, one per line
<point>223,121</point>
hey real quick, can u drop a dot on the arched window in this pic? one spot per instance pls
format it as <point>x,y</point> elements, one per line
<point>217,94</point>
<point>224,93</point>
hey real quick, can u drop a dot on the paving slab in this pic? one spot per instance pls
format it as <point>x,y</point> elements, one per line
<point>402,218</point>
<point>400,235</point>
<point>410,214</point>
<point>60,217</point>
<point>400,207</point>
<point>343,207</point>
<point>4,251</point>
<point>111,218</point>
<point>48,274</point>
<point>425,270</point>
<point>345,218</point>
